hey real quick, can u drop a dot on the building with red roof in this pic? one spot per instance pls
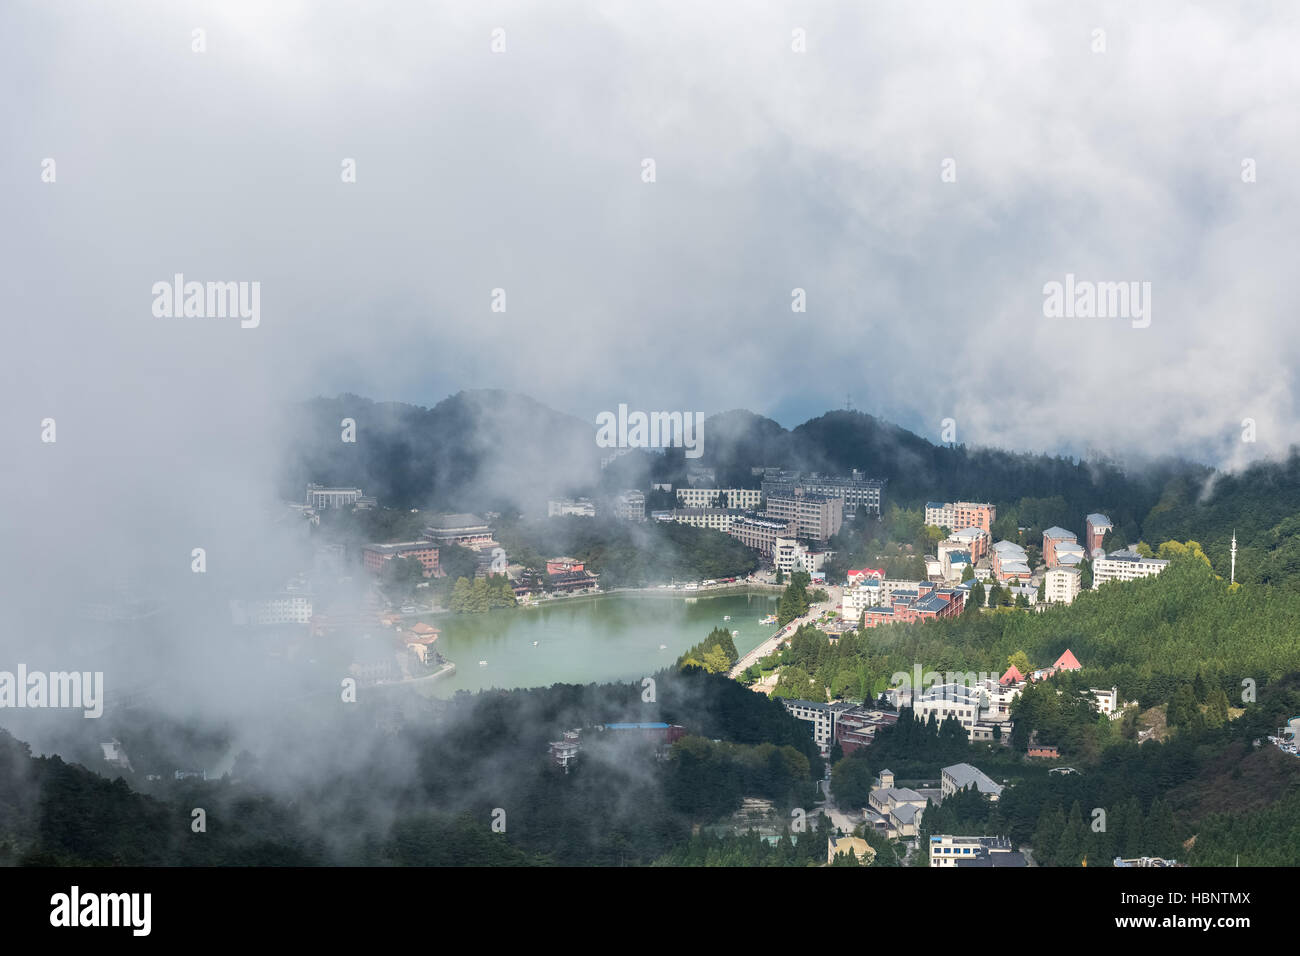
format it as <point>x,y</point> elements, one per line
<point>1067,662</point>
<point>1012,676</point>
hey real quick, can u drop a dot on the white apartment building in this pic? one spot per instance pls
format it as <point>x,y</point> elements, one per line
<point>979,708</point>
<point>719,519</point>
<point>743,499</point>
<point>974,851</point>
<point>1061,585</point>
<point>1125,565</point>
<point>858,599</point>
<point>320,497</point>
<point>278,609</point>
<point>823,718</point>
<point>560,507</point>
<point>789,555</point>
<point>629,506</point>
<point>1107,700</point>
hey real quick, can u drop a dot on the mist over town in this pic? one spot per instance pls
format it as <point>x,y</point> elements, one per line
<point>799,435</point>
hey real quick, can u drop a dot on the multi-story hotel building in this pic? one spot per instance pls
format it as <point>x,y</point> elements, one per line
<point>816,516</point>
<point>961,514</point>
<point>744,499</point>
<point>760,533</point>
<point>719,519</point>
<point>1125,565</point>
<point>855,491</point>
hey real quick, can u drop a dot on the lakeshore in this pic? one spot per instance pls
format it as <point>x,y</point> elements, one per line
<point>593,638</point>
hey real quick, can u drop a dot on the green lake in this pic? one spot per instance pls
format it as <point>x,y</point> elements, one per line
<point>597,639</point>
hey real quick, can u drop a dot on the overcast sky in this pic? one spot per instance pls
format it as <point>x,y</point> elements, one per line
<point>774,170</point>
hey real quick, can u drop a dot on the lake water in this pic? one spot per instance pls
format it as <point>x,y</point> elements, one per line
<point>584,640</point>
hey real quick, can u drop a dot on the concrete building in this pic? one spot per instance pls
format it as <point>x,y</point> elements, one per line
<point>1051,538</point>
<point>1107,701</point>
<point>961,514</point>
<point>1069,554</point>
<point>857,599</point>
<point>953,559</point>
<point>466,530</point>
<point>760,534</point>
<point>1095,527</point>
<point>863,851</point>
<point>1010,562</point>
<point>322,497</point>
<point>822,717</point>
<point>564,752</point>
<point>629,506</point>
<point>973,851</point>
<point>963,776</point>
<point>925,602</point>
<point>562,507</point>
<point>857,727</point>
<point>974,540</point>
<point>743,499</point>
<point>719,519</point>
<point>375,556</point>
<point>893,811</point>
<point>1124,565</point>
<point>1061,585</point>
<point>980,707</point>
<point>817,516</point>
<point>855,491</point>
<point>273,610</point>
<point>789,555</point>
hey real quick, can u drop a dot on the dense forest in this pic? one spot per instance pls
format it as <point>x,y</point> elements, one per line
<point>427,789</point>
<point>1145,637</point>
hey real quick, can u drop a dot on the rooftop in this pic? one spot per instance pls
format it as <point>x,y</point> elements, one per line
<point>449,522</point>
<point>964,775</point>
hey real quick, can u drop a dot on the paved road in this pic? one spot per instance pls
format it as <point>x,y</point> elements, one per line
<point>771,644</point>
